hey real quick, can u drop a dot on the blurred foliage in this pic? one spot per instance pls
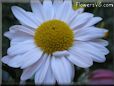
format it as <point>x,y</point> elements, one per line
<point>12,75</point>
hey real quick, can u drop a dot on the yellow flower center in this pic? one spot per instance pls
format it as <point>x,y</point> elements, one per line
<point>54,35</point>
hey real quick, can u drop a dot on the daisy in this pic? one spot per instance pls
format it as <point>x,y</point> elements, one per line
<point>52,39</point>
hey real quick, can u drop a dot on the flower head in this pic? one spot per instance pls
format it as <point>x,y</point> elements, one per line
<point>52,39</point>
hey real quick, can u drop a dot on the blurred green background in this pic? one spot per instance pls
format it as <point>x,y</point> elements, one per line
<point>12,75</point>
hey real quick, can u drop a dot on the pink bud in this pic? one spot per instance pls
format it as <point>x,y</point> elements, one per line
<point>101,76</point>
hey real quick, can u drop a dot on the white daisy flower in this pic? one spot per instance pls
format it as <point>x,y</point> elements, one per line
<point>52,39</point>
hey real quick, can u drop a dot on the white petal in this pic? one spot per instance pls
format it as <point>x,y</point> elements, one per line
<point>41,73</point>
<point>74,14</point>
<point>101,42</point>
<point>78,24</point>
<point>21,47</point>
<point>6,59</point>
<point>48,10</point>
<point>37,9</point>
<point>17,36</point>
<point>102,49</point>
<point>30,71</point>
<point>19,33</point>
<point>66,7</point>
<point>84,16</point>
<point>79,59</point>
<point>23,16</point>
<point>49,78</point>
<point>21,28</point>
<point>93,21</point>
<point>61,53</point>
<point>15,62</point>
<point>62,10</point>
<point>25,60</point>
<point>80,20</point>
<point>62,70</point>
<point>56,4</point>
<point>36,18</point>
<point>8,35</point>
<point>31,57</point>
<point>97,54</point>
<point>89,33</point>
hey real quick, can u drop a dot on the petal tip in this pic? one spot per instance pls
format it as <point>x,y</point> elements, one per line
<point>13,8</point>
